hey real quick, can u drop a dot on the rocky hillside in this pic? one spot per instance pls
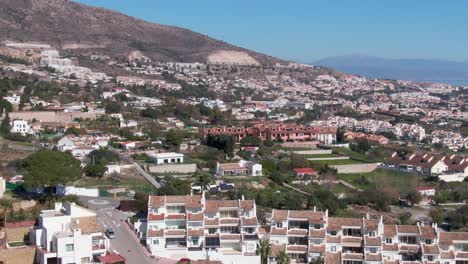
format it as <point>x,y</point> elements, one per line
<point>73,26</point>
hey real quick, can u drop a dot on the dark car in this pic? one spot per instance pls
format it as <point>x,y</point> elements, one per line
<point>110,233</point>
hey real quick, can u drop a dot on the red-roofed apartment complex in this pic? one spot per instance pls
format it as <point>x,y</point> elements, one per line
<point>227,230</point>
<point>194,227</point>
<point>273,131</point>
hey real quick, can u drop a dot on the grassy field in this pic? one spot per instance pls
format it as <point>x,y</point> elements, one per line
<point>382,179</point>
<point>319,155</point>
<point>357,156</point>
<point>336,162</point>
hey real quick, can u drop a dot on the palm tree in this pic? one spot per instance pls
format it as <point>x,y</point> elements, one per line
<point>264,250</point>
<point>203,180</point>
<point>283,258</point>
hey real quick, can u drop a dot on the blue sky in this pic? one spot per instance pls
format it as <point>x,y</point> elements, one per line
<point>307,30</point>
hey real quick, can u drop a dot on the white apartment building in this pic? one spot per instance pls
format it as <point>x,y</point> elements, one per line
<point>196,228</point>
<point>13,99</point>
<point>245,168</point>
<point>68,234</point>
<point>307,235</point>
<point>82,145</point>
<point>166,158</point>
<point>21,126</point>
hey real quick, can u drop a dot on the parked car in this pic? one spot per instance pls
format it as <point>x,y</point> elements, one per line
<point>110,233</point>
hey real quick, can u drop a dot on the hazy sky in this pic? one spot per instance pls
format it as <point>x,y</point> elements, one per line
<point>307,30</point>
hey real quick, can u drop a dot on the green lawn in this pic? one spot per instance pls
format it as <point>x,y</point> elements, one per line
<point>358,156</point>
<point>381,179</point>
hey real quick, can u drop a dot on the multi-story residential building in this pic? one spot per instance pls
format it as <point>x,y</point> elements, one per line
<point>68,234</point>
<point>307,235</point>
<point>196,228</point>
<point>21,126</point>
<point>272,131</point>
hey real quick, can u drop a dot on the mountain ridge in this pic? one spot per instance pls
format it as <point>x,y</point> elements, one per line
<point>75,26</point>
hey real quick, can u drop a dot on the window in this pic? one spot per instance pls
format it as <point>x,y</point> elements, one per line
<point>372,234</point>
<point>388,240</point>
<point>428,241</point>
<point>211,231</point>
<point>373,250</point>
<point>156,242</point>
<point>195,241</point>
<point>317,226</point>
<point>279,225</point>
<point>333,233</point>
<point>69,247</point>
<point>408,239</point>
<point>333,248</point>
<point>430,258</point>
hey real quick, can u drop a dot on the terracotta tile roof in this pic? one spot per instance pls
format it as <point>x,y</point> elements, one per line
<point>156,201</point>
<point>447,238</point>
<point>195,232</point>
<point>178,199</point>
<point>335,223</point>
<point>351,240</point>
<point>276,249</point>
<point>229,221</point>
<point>390,247</point>
<point>418,160</point>
<point>301,248</point>
<point>333,239</point>
<point>264,230</point>
<point>427,232</point>
<point>407,229</point>
<point>371,224</point>
<point>411,248</point>
<point>278,231</point>
<point>180,232</point>
<point>155,217</point>
<point>353,256</point>
<point>279,215</point>
<point>211,206</point>
<point>372,241</point>
<point>332,258</point>
<point>317,233</point>
<point>386,261</point>
<point>230,236</point>
<point>298,232</point>
<point>461,255</point>
<point>308,171</point>
<point>155,233</point>
<point>175,216</point>
<point>194,201</point>
<point>447,255</point>
<point>195,217</point>
<point>316,249</point>
<point>390,231</point>
<point>247,204</point>
<point>228,203</point>
<point>373,257</point>
<point>86,224</point>
<point>430,249</point>
<point>211,222</point>
<point>249,221</point>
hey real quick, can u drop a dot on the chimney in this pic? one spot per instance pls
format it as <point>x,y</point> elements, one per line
<point>367,216</point>
<point>326,214</point>
<point>243,197</point>
<point>315,208</point>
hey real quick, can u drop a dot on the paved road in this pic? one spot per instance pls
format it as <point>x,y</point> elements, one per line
<point>126,242</point>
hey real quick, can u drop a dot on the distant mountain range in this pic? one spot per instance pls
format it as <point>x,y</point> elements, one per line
<point>422,70</point>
